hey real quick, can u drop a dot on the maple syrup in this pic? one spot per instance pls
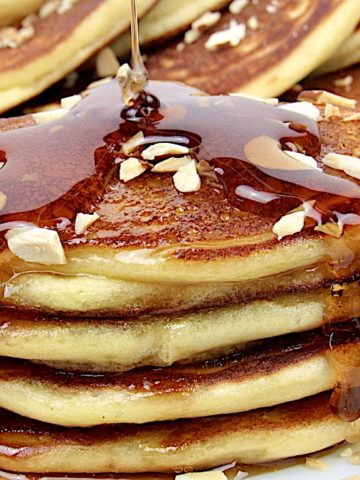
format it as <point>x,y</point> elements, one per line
<point>52,172</point>
<point>345,400</point>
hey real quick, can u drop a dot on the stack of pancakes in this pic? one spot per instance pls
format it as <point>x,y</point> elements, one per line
<point>178,330</point>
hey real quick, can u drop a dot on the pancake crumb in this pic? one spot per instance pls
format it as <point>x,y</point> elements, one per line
<point>348,451</point>
<point>211,475</point>
<point>316,464</point>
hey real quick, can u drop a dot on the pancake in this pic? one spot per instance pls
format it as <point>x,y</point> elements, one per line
<point>263,375</point>
<point>165,21</point>
<point>256,437</point>
<point>149,232</point>
<point>298,37</point>
<point>347,55</point>
<point>116,344</point>
<point>12,12</point>
<point>61,42</point>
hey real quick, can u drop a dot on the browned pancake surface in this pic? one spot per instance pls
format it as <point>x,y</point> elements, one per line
<point>229,69</point>
<point>260,360</point>
<point>49,33</point>
<point>19,434</point>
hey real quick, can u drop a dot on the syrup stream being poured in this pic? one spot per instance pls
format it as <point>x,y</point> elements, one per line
<point>133,81</point>
<point>137,64</point>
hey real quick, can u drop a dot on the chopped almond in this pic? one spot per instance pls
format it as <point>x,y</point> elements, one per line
<point>83,221</point>
<point>132,168</point>
<point>289,224</point>
<point>236,6</point>
<point>331,111</point>
<point>133,143</point>
<point>316,464</point>
<point>187,178</point>
<point>344,82</point>
<point>36,245</point>
<point>346,163</point>
<point>160,149</point>
<point>171,165</point>
<point>352,118</point>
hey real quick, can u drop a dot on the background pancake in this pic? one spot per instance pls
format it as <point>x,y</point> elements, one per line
<point>298,37</point>
<point>263,375</point>
<point>12,11</point>
<point>116,344</point>
<point>60,44</point>
<point>347,55</point>
<point>166,20</point>
<point>256,437</point>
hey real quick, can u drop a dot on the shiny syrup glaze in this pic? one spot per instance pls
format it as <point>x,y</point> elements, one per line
<point>56,170</point>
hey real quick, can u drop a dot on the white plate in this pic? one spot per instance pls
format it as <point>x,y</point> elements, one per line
<point>339,469</point>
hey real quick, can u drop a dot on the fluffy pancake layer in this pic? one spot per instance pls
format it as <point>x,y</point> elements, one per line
<point>118,344</point>
<point>250,67</point>
<point>259,436</point>
<point>269,373</point>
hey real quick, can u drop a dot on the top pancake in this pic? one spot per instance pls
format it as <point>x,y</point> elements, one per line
<point>289,42</point>
<point>165,236</point>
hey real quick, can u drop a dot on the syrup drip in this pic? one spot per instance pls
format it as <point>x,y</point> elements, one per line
<point>345,400</point>
<point>137,63</point>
